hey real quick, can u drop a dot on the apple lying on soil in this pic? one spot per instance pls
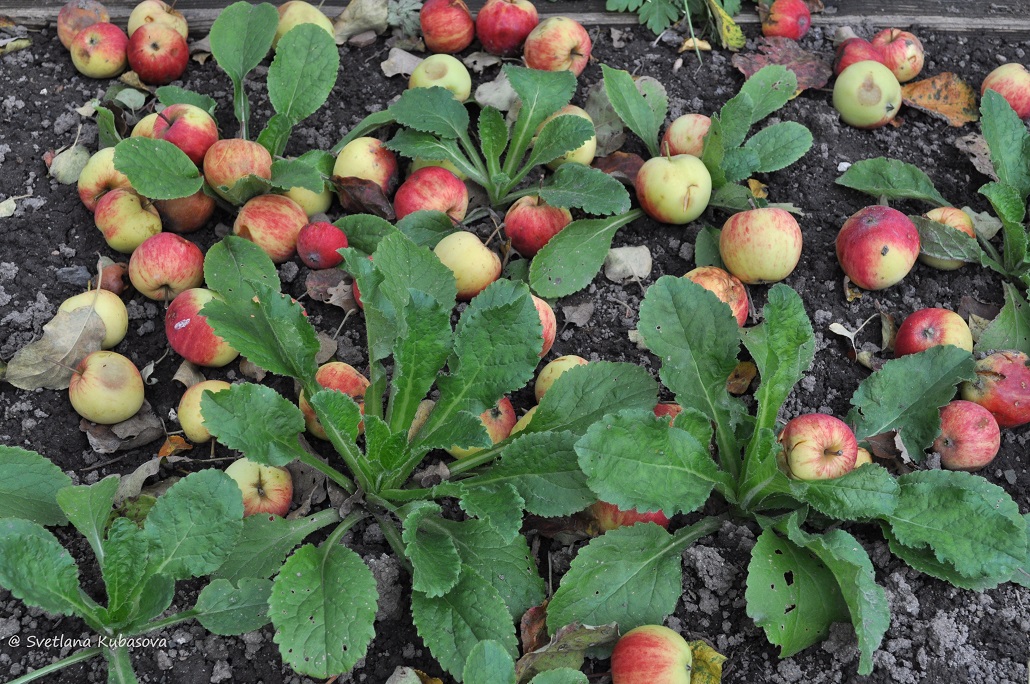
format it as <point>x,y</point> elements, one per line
<point>432,188</point>
<point>109,307</point>
<point>584,154</point>
<point>954,218</point>
<point>157,12</point>
<point>77,15</point>
<point>547,322</point>
<point>126,219</point>
<point>317,244</point>
<point>99,177</point>
<point>106,388</point>
<point>1002,386</point>
<point>867,95</point>
<point>902,53</point>
<point>817,446</point>
<point>970,436</point>
<point>530,223</point>
<point>667,408</point>
<point>686,135</point>
<point>272,222</point>
<point>1012,82</point>
<point>558,44</point>
<point>930,328</point>
<point>863,457</point>
<point>189,414</point>
<point>189,333</point>
<point>265,489</point>
<point>338,376</point>
<point>498,421</point>
<point>552,371</point>
<point>191,129</point>
<point>444,71</point>
<point>502,26</point>
<point>165,265</point>
<point>186,214</point>
<point>474,264</point>
<point>158,54</point>
<point>877,247</point>
<point>368,159</point>
<point>230,160</point>
<point>726,287</point>
<point>853,50</point>
<point>787,19</point>
<point>447,25</point>
<point>675,189</point>
<point>761,246</point>
<point>100,51</point>
<point>524,421</point>
<point>651,654</point>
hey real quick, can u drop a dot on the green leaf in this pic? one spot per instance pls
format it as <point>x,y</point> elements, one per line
<point>472,612</point>
<point>642,112</point>
<point>194,525</point>
<point>783,348</point>
<point>265,542</point>
<point>906,394</point>
<point>735,120</point>
<point>739,163</point>
<point>426,227</point>
<point>1010,329</point>
<point>107,131</point>
<point>303,72</point>
<point>119,666</point>
<point>276,134</point>
<point>244,189</point>
<point>925,561</point>
<point>635,460</point>
<point>419,145</point>
<point>255,420</point>
<point>35,568</point>
<point>500,506</point>
<point>493,133</point>
<point>88,508</point>
<point>941,241</point>
<point>489,663</point>
<point>893,179</point>
<point>387,454</point>
<point>169,95</point>
<point>576,186</point>
<point>154,597</point>
<point>706,245</point>
<point>365,127</point>
<point>28,487</point>
<point>342,417</point>
<point>713,154</point>
<point>541,93</point>
<point>1021,576</point>
<point>866,492</point>
<point>631,575</point>
<point>235,265</point>
<point>157,169</point>
<point>761,476</point>
<point>658,15</point>
<point>1008,140</point>
<point>294,173</point>
<point>431,110</point>
<point>791,594</point>
<point>434,558</point>
<point>562,675</point>
<point>1010,207</point>
<point>123,568</point>
<point>856,579</point>
<point>228,610</point>
<point>560,135</point>
<point>422,347</point>
<point>240,38</point>
<point>571,259</point>
<point>780,145</point>
<point>365,231</point>
<point>323,605</point>
<point>948,512</point>
<point>583,395</point>
<point>770,88</point>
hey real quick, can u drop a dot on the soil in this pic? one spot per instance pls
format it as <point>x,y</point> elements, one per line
<point>50,245</point>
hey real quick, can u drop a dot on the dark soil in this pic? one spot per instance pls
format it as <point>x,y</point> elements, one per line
<point>48,248</point>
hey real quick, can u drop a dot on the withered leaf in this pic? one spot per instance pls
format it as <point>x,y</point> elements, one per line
<point>622,166</point>
<point>361,16</point>
<point>361,196</point>
<point>188,375</point>
<point>318,283</point>
<point>706,667</point>
<point>945,96</point>
<point>975,147</point>
<point>132,484</point>
<point>50,361</point>
<point>327,347</point>
<point>741,377</point>
<point>567,648</point>
<point>174,444</point>
<point>533,628</point>
<point>811,70</point>
<point>139,430</point>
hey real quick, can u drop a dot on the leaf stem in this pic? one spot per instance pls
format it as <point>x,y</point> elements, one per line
<point>389,529</point>
<point>332,473</point>
<point>406,495</point>
<point>85,654</point>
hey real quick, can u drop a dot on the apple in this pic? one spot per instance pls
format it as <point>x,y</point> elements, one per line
<point>686,135</point>
<point>165,265</point>
<point>902,53</point>
<point>863,457</point>
<point>190,417</point>
<point>419,163</point>
<point>114,276</point>
<point>126,219</point>
<point>189,333</point>
<point>761,245</point>
<point>853,50</point>
<point>673,189</point>
<point>667,408</point>
<point>867,95</point>
<point>99,176</point>
<point>157,12</point>
<point>651,654</point>
<point>158,54</point>
<point>186,214</point>
<point>786,19</point>
<point>109,307</point>
<point>970,436</point>
<point>954,218</point>
<point>584,154</point>
<point>552,371</point>
<point>726,287</point>
<point>502,26</point>
<point>877,247</point>
<point>610,517</point>
<point>1002,386</point>
<point>367,158</point>
<point>1011,81</point>
<point>265,489</point>
<point>77,15</point>
<point>230,160</point>
<point>99,51</point>
<point>498,421</point>
<point>558,44</point>
<point>433,187</point>
<point>931,328</point>
<point>338,376</point>
<point>317,244</point>
<point>144,128</point>
<point>444,71</point>
<point>106,388</point>
<point>818,447</point>
<point>189,128</point>
<point>272,222</point>
<point>447,25</point>
<point>474,264</point>
<point>523,422</point>
<point>296,12</point>
<point>547,322</point>
<point>531,223</point>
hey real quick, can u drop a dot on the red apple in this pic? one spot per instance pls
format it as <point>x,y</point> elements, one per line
<point>368,159</point>
<point>667,408</point>
<point>317,244</point>
<point>189,414</point>
<point>786,19</point>
<point>548,322</point>
<point>189,128</point>
<point>99,176</point>
<point>531,223</point>
<point>686,135</point>
<point>930,328</point>
<point>673,190</point>
<point>99,51</point>
<point>503,25</point>
<point>189,333</point>
<point>474,264</point>
<point>432,187</point>
<point>651,654</point>
<point>186,214</point>
<point>954,218</point>
<point>761,245</point>
<point>447,25</point>
<point>165,265</point>
<point>726,287</point>
<point>558,44</point>
<point>1002,386</point>
<point>77,15</point>
<point>1011,81</point>
<point>272,222</point>
<point>552,371</point>
<point>265,489</point>
<point>855,50</point>
<point>877,247</point>
<point>498,421</point>
<point>818,447</point>
<point>228,161</point>
<point>902,53</point>
<point>106,388</point>
<point>609,517</point>
<point>338,376</point>
<point>158,54</point>
<point>970,436</point>
<point>126,219</point>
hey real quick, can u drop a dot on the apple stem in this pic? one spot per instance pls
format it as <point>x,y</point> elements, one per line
<point>161,115</point>
<point>831,452</point>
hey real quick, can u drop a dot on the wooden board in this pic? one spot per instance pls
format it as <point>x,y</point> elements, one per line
<point>968,16</point>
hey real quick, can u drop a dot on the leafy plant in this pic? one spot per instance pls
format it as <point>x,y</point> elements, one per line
<point>659,15</point>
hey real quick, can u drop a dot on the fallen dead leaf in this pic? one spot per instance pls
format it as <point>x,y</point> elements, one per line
<point>695,44</point>
<point>132,484</point>
<point>567,648</point>
<point>478,61</point>
<point>399,63</point>
<point>361,16</point>
<point>140,430</point>
<point>622,166</point>
<point>200,50</point>
<point>50,361</point>
<point>970,306</point>
<point>174,444</point>
<point>188,374</point>
<point>578,314</point>
<point>759,189</point>
<point>497,93</point>
<point>361,196</point>
<point>975,147</point>
<point>706,667</point>
<point>888,331</point>
<point>131,79</point>
<point>851,292</point>
<point>811,70</point>
<point>9,205</point>
<point>741,377</point>
<point>327,347</point>
<point>533,628</point>
<point>730,35</point>
<point>251,370</point>
<point>945,96</point>
<point>317,283</point>
<point>608,127</point>
<point>342,296</point>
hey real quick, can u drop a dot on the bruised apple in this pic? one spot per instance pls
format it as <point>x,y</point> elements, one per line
<point>726,287</point>
<point>970,437</point>
<point>1002,386</point>
<point>877,247</point>
<point>817,446</point>
<point>338,376</point>
<point>498,421</point>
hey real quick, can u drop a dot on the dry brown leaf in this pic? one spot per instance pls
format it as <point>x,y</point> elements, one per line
<point>174,444</point>
<point>140,430</point>
<point>533,628</point>
<point>361,16</point>
<point>945,96</point>
<point>622,166</point>
<point>317,283</point>
<point>131,485</point>
<point>812,70</point>
<point>578,314</point>
<point>478,61</point>
<point>131,79</point>
<point>342,296</point>
<point>970,306</point>
<point>975,147</point>
<point>888,331</point>
<point>567,648</point>
<point>50,361</point>
<point>251,370</point>
<point>361,196</point>
<point>851,291</point>
<point>188,375</point>
<point>695,44</point>
<point>706,667</point>
<point>399,63</point>
<point>741,377</point>
<point>759,189</point>
<point>327,347</point>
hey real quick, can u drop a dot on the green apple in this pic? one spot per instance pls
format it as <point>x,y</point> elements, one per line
<point>106,388</point>
<point>109,307</point>
<point>674,189</point>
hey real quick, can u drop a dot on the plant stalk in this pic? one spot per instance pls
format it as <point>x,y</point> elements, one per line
<point>85,654</point>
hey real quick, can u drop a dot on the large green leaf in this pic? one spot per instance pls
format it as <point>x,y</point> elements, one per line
<point>28,487</point>
<point>88,508</point>
<point>35,568</point>
<point>303,72</point>
<point>256,421</point>
<point>229,610</point>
